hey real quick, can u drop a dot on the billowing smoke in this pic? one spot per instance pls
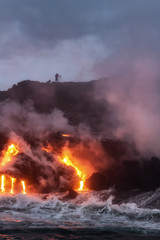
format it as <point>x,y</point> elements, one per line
<point>24,120</point>
<point>134,97</point>
<point>29,130</point>
<point>42,147</point>
<point>92,132</point>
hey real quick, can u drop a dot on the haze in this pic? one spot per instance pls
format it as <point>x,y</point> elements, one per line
<point>81,40</point>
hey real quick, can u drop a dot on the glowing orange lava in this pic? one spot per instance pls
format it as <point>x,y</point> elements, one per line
<point>66,135</point>
<point>68,162</point>
<point>11,151</point>
<point>2,183</point>
<point>48,148</point>
<point>24,187</point>
<point>12,185</point>
<point>81,185</point>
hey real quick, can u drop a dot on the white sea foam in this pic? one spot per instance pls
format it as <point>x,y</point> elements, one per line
<point>89,209</point>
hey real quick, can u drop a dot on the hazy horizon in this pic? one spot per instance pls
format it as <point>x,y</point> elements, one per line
<point>80,40</point>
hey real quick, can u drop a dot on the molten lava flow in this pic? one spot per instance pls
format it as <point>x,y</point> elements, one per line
<point>81,185</point>
<point>2,183</point>
<point>45,149</point>
<point>68,162</point>
<point>48,148</point>
<point>9,184</point>
<point>12,185</point>
<point>11,151</point>
<point>66,135</point>
<point>24,187</point>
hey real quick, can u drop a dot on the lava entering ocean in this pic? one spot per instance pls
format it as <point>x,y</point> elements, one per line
<point>12,179</point>
<point>65,158</point>
<point>68,162</point>
<point>10,184</point>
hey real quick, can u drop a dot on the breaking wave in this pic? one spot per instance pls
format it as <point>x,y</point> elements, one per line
<point>87,210</point>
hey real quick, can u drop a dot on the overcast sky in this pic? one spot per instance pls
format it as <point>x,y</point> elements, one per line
<point>80,39</point>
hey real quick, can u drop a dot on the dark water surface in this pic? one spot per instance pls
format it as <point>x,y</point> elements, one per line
<point>92,215</point>
<point>47,234</point>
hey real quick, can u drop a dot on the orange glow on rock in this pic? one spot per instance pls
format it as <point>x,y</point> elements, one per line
<point>66,160</point>
<point>12,185</point>
<point>66,135</point>
<point>81,185</point>
<point>12,150</point>
<point>48,148</point>
<point>2,183</point>
<point>24,187</point>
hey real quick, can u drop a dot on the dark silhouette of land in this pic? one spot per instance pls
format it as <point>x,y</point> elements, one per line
<point>79,103</point>
<point>76,100</point>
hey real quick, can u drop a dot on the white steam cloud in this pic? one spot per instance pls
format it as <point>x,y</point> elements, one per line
<point>134,95</point>
<point>23,119</point>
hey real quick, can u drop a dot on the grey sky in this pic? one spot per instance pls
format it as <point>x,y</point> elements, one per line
<point>81,39</point>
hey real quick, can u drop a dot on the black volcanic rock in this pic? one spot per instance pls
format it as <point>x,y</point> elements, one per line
<point>76,100</point>
<point>126,169</point>
<point>142,175</point>
<point>97,182</point>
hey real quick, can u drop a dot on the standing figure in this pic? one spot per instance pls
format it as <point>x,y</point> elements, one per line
<point>57,77</point>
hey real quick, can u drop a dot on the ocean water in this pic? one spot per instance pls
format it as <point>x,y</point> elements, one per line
<point>91,215</point>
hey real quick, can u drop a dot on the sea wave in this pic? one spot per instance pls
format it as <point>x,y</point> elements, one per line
<point>88,210</point>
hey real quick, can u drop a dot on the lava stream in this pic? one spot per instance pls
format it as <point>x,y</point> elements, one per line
<point>12,150</point>
<point>68,162</point>
<point>12,185</point>
<point>2,183</point>
<point>24,187</point>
